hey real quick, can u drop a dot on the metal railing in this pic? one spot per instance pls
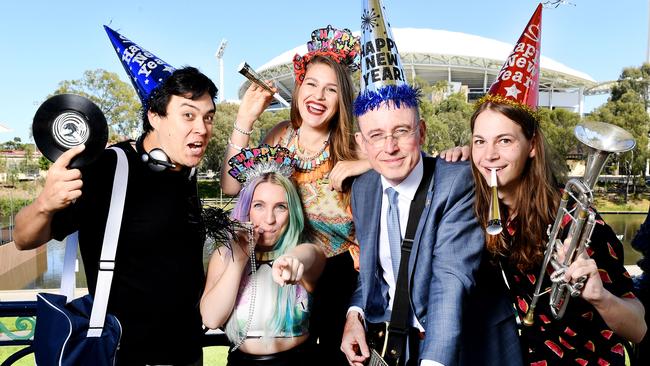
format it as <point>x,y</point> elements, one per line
<point>25,324</point>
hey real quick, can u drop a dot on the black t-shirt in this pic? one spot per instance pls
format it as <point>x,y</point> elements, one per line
<point>159,274</point>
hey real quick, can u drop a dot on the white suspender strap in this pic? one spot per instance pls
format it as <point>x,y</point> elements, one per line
<point>69,263</point>
<point>109,246</point>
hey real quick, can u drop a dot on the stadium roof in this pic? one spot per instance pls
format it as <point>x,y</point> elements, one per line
<point>443,55</point>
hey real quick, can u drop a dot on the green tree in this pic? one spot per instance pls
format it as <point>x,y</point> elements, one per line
<point>627,108</point>
<point>116,99</point>
<point>447,119</point>
<point>44,163</point>
<point>455,112</point>
<point>635,79</point>
<point>629,113</point>
<point>225,116</point>
<point>557,126</point>
<point>15,144</point>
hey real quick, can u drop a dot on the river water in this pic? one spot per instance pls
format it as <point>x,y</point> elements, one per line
<point>623,224</point>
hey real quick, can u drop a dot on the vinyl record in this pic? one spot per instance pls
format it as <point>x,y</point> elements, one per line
<point>65,121</point>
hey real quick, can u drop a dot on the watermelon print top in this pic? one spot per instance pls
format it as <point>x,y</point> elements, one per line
<point>581,337</point>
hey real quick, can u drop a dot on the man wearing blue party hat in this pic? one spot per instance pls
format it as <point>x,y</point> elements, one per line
<point>419,240</point>
<point>158,272</point>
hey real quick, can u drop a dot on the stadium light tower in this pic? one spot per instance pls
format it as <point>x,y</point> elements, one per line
<point>219,56</point>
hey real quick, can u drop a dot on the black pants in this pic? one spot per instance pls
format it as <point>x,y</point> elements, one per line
<point>296,356</point>
<point>331,301</point>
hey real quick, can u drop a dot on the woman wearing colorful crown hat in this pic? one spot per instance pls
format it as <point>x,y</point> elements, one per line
<point>506,137</point>
<point>320,135</point>
<point>258,288</point>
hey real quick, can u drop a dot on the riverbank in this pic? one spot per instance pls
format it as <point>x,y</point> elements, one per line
<point>614,204</point>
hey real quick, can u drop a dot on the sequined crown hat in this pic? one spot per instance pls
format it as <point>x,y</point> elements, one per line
<point>145,70</point>
<point>382,73</point>
<point>338,44</point>
<point>255,161</point>
<point>517,83</point>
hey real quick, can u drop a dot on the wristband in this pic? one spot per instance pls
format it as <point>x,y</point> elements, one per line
<point>238,129</point>
<point>236,147</point>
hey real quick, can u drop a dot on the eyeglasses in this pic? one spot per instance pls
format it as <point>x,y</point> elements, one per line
<point>400,135</point>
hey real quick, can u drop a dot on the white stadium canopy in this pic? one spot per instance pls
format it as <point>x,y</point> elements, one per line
<point>462,59</point>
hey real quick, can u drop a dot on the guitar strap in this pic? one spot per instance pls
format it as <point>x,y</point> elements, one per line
<point>398,328</point>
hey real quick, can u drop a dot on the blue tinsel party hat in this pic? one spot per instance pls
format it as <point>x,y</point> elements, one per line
<point>382,74</point>
<point>144,69</point>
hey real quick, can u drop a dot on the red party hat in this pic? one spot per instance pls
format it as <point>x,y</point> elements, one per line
<point>518,80</point>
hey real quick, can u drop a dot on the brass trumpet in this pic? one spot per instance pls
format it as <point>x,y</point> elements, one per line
<point>494,226</point>
<point>601,139</point>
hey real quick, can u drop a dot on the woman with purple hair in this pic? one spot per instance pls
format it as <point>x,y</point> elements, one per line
<point>259,290</point>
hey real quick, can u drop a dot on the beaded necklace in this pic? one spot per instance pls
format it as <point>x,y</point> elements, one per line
<point>253,278</point>
<point>309,162</point>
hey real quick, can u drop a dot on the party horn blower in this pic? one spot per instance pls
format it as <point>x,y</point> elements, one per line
<point>256,78</point>
<point>494,223</point>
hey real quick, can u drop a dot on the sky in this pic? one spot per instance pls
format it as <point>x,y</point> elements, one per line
<point>45,42</point>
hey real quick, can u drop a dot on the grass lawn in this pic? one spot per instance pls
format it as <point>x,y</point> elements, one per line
<point>215,356</point>
<point>616,203</point>
<point>212,356</point>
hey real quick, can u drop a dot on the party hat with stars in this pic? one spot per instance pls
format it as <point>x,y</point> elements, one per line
<point>382,74</point>
<point>518,81</point>
<point>144,69</point>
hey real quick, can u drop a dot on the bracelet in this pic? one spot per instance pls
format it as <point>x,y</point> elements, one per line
<point>236,147</point>
<point>238,129</point>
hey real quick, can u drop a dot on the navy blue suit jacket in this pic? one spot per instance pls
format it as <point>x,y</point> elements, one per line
<point>446,254</point>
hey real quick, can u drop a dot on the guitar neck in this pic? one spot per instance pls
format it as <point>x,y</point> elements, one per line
<point>377,337</point>
<point>376,359</point>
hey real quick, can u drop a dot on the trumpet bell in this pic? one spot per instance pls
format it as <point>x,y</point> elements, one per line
<point>604,137</point>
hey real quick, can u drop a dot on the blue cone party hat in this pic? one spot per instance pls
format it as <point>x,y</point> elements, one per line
<point>382,74</point>
<point>144,69</point>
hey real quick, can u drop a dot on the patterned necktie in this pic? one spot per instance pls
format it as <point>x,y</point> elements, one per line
<point>394,233</point>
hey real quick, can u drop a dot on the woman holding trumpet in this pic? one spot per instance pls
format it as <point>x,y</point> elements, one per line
<point>594,327</point>
<point>320,135</point>
<point>506,139</point>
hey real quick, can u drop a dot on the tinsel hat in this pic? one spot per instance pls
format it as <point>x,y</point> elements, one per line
<point>255,161</point>
<point>382,74</point>
<point>145,70</point>
<point>338,44</point>
<point>518,81</point>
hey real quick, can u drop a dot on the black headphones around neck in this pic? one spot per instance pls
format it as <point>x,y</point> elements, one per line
<point>156,159</point>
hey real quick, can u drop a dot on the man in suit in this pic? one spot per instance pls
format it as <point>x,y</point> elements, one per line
<point>447,239</point>
<point>447,245</point>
